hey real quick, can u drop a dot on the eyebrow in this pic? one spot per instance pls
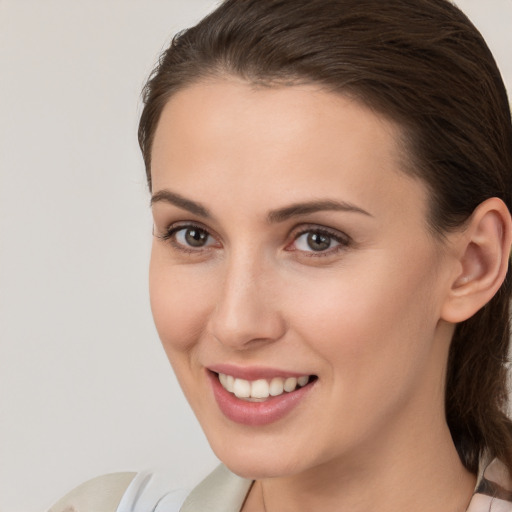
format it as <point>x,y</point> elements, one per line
<point>273,217</point>
<point>167,196</point>
<point>283,214</point>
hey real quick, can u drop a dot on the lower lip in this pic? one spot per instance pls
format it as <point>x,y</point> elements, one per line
<point>256,413</point>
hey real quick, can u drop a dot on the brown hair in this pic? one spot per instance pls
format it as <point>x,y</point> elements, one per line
<point>422,64</point>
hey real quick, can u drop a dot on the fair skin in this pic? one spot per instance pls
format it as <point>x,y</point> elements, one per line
<point>353,290</point>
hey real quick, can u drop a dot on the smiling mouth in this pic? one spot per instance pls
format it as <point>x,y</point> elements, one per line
<point>261,389</point>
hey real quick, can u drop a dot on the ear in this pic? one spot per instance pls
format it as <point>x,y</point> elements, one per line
<point>483,252</point>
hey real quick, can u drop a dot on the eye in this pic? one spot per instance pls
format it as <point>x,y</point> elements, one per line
<point>189,237</point>
<point>319,241</point>
<point>315,241</point>
<point>193,236</point>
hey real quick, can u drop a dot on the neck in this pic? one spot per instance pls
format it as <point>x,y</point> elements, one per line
<point>417,470</point>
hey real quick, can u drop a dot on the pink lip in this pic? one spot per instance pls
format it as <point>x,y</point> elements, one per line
<point>252,372</point>
<point>256,413</point>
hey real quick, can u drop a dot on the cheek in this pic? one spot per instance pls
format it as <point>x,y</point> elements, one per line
<point>180,303</point>
<point>369,324</point>
<point>375,335</point>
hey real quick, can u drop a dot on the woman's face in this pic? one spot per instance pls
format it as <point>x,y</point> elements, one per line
<point>289,245</point>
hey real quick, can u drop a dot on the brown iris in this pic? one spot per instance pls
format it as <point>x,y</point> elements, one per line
<point>318,241</point>
<point>196,237</point>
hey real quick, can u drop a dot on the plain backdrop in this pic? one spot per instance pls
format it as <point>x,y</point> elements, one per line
<point>85,387</point>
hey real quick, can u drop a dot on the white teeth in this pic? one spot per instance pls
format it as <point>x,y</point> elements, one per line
<point>290,384</point>
<point>276,386</point>
<point>261,388</point>
<point>242,388</point>
<point>230,383</point>
<point>227,381</point>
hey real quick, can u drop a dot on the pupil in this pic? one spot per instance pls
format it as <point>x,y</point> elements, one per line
<point>196,237</point>
<point>318,241</point>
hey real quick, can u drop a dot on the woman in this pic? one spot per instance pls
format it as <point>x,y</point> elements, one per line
<point>331,188</point>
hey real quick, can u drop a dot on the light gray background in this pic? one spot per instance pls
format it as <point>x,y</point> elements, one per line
<point>85,387</point>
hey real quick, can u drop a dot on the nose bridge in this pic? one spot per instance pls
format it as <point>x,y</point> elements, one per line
<point>246,310</point>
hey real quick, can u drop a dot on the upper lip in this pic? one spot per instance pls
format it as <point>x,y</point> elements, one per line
<point>253,372</point>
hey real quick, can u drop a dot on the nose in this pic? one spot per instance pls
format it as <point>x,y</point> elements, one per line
<point>247,312</point>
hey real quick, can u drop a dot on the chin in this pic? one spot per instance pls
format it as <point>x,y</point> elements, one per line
<point>255,462</point>
<point>258,469</point>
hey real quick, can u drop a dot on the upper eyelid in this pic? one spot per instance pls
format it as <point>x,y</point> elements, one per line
<point>334,233</point>
<point>176,226</point>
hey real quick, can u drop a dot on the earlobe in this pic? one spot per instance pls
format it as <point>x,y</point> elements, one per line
<point>484,251</point>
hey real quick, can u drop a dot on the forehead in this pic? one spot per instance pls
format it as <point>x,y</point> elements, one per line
<point>265,112</point>
<point>279,143</point>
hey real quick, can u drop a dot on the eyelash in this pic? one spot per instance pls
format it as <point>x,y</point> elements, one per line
<point>170,237</point>
<point>343,240</point>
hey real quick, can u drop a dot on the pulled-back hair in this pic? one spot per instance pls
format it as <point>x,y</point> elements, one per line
<point>422,64</point>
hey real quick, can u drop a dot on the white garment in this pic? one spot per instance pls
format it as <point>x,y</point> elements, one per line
<point>149,492</point>
<point>220,491</point>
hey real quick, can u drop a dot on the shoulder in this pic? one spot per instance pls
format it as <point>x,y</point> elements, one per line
<point>220,491</point>
<point>101,493</point>
<point>123,492</point>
